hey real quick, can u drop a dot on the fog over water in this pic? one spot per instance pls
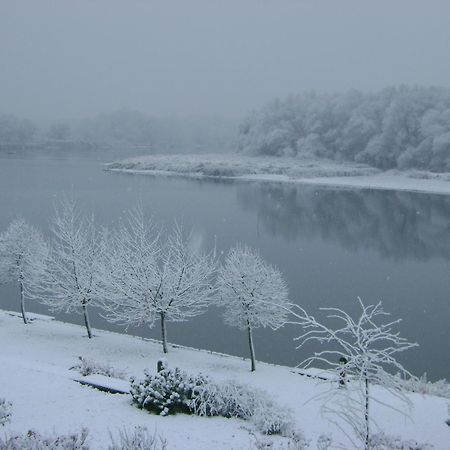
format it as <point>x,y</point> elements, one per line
<point>331,245</point>
<point>63,59</point>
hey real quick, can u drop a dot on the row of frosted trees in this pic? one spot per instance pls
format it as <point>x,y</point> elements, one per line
<point>139,274</point>
<point>397,127</point>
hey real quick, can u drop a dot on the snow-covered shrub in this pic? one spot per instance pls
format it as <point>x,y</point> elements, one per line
<point>421,385</point>
<point>383,441</point>
<point>228,399</point>
<point>90,367</point>
<point>139,439</point>
<point>5,411</point>
<point>166,392</point>
<point>324,442</point>
<point>232,399</point>
<point>171,391</point>
<point>296,441</point>
<point>34,441</point>
<point>270,418</point>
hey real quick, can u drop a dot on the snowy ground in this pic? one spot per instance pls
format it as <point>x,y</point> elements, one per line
<point>291,170</point>
<point>35,376</point>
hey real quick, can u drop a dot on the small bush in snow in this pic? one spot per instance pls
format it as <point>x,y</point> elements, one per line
<point>140,439</point>
<point>324,442</point>
<point>171,391</point>
<point>228,399</point>
<point>90,367</point>
<point>166,392</point>
<point>421,385</point>
<point>232,399</point>
<point>296,441</point>
<point>5,411</point>
<point>34,441</point>
<point>382,441</point>
<point>270,418</point>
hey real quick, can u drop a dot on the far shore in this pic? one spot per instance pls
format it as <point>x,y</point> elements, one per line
<point>257,169</point>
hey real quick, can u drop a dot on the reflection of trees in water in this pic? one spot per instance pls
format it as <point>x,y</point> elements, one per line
<point>395,224</point>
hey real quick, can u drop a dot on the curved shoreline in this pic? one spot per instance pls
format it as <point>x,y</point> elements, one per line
<point>314,173</point>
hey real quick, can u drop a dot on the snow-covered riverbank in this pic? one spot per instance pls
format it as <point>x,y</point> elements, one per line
<point>35,376</point>
<point>285,170</point>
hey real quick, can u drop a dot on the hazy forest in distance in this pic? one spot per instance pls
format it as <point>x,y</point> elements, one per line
<point>397,127</point>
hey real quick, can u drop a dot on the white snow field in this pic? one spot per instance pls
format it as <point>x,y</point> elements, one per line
<point>35,376</point>
<point>287,170</point>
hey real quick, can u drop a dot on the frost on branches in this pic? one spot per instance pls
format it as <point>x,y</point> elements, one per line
<point>72,279</point>
<point>253,293</point>
<point>23,252</point>
<point>362,351</point>
<point>148,277</point>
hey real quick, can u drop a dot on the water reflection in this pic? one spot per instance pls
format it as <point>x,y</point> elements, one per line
<point>397,225</point>
<point>331,246</point>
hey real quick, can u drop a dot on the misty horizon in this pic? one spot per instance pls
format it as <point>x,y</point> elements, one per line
<point>65,60</point>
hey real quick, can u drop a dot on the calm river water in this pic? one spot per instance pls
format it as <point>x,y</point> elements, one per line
<point>332,245</point>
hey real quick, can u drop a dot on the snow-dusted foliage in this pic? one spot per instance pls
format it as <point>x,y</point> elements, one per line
<point>440,388</point>
<point>239,165</point>
<point>233,399</point>
<point>172,390</point>
<point>324,442</point>
<point>149,277</point>
<point>34,441</point>
<point>228,399</point>
<point>5,411</point>
<point>16,131</point>
<point>381,441</point>
<point>72,279</point>
<point>297,441</point>
<point>396,127</point>
<point>89,367</point>
<point>166,392</point>
<point>139,439</point>
<point>271,418</point>
<point>361,353</point>
<point>253,293</point>
<point>23,253</point>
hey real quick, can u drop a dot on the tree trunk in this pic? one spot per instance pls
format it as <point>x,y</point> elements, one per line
<point>250,343</point>
<point>366,413</point>
<point>163,332</point>
<point>86,321</point>
<point>22,303</point>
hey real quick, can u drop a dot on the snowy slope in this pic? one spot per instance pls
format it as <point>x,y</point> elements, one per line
<point>35,376</point>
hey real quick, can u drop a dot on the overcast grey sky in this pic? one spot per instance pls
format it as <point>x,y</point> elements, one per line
<point>69,58</point>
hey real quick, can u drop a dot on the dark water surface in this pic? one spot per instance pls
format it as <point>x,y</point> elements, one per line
<point>332,245</point>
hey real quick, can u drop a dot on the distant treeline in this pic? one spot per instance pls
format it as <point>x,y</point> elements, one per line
<point>123,128</point>
<point>398,127</point>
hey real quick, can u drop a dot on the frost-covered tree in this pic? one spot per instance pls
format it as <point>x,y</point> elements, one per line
<point>364,349</point>
<point>16,131</point>
<point>72,278</point>
<point>405,127</point>
<point>148,277</point>
<point>23,252</point>
<point>253,293</point>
